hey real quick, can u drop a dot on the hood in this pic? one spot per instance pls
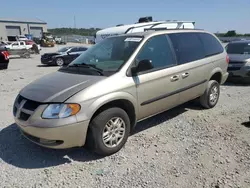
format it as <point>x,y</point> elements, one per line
<point>57,86</point>
<point>53,54</point>
<point>239,57</point>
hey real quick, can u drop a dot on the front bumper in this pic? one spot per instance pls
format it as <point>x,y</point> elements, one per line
<point>47,61</point>
<point>60,137</point>
<point>243,72</point>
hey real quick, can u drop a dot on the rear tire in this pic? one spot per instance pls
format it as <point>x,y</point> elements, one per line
<point>108,131</point>
<point>211,96</point>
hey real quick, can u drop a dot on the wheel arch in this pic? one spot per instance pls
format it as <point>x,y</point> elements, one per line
<point>216,75</point>
<point>125,101</point>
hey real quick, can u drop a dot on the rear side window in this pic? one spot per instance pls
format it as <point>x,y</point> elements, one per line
<point>76,49</point>
<point>82,49</point>
<point>211,45</point>
<point>187,46</point>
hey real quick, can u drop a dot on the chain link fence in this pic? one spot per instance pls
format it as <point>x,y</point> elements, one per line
<point>77,39</point>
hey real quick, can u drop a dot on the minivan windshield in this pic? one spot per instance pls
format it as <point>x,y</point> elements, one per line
<point>238,48</point>
<point>108,55</point>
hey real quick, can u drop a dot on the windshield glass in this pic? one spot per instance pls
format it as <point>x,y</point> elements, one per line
<point>63,49</point>
<point>110,54</point>
<point>238,48</point>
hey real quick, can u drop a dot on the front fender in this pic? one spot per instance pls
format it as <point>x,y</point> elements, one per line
<point>89,108</point>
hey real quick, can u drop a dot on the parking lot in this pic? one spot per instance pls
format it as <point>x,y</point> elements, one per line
<point>184,147</point>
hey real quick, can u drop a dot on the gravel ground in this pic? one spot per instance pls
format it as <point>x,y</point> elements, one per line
<point>184,147</point>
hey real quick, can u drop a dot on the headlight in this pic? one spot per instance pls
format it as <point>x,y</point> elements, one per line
<point>247,64</point>
<point>56,111</point>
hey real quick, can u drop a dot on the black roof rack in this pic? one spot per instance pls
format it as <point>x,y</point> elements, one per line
<point>158,23</point>
<point>165,28</point>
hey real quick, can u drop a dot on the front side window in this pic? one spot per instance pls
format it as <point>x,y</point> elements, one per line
<point>187,46</point>
<point>158,50</point>
<point>110,54</point>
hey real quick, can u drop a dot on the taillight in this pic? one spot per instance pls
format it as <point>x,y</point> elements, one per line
<point>5,54</point>
<point>28,42</point>
<point>227,59</point>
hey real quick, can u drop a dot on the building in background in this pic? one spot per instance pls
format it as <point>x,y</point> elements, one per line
<point>10,28</point>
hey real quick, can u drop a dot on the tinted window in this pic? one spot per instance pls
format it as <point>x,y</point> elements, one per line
<point>238,48</point>
<point>82,49</point>
<point>157,49</point>
<point>211,45</point>
<point>63,49</point>
<point>74,50</point>
<point>110,54</point>
<point>187,46</point>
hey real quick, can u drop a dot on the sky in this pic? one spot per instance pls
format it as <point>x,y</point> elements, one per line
<point>211,15</point>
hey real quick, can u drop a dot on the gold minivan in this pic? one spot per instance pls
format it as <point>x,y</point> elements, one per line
<point>98,98</point>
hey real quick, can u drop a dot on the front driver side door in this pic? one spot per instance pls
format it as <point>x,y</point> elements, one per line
<point>72,55</point>
<point>157,88</point>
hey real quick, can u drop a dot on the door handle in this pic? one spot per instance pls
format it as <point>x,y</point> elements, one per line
<point>174,78</point>
<point>184,75</point>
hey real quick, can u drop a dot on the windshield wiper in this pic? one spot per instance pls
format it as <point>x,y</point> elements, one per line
<point>93,67</point>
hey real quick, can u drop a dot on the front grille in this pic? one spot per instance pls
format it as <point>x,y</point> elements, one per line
<point>24,116</point>
<point>233,68</point>
<point>14,110</point>
<point>24,108</point>
<point>31,105</point>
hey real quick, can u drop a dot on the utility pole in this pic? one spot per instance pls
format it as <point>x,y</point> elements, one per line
<point>74,21</point>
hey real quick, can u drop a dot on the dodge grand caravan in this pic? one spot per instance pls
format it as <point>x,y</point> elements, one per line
<point>239,60</point>
<point>97,99</point>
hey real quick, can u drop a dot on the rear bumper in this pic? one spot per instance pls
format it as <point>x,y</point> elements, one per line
<point>68,136</point>
<point>4,65</point>
<point>224,78</point>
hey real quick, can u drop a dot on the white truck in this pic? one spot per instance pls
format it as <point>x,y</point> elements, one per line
<point>143,24</point>
<point>18,45</point>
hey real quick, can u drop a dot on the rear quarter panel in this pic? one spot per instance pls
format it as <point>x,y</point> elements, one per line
<point>220,64</point>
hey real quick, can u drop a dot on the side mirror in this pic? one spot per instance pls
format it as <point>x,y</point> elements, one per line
<point>143,65</point>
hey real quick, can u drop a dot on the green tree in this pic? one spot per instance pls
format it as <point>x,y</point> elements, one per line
<point>231,33</point>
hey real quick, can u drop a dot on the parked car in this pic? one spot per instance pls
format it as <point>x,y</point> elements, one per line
<point>21,45</point>
<point>21,38</point>
<point>63,56</point>
<point>59,40</point>
<point>239,59</point>
<point>3,43</point>
<point>4,58</point>
<point>98,98</point>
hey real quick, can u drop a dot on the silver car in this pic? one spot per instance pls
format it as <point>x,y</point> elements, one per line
<point>98,98</point>
<point>239,59</point>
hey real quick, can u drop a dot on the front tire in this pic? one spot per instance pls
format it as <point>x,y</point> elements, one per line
<point>109,131</point>
<point>211,96</point>
<point>59,61</point>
